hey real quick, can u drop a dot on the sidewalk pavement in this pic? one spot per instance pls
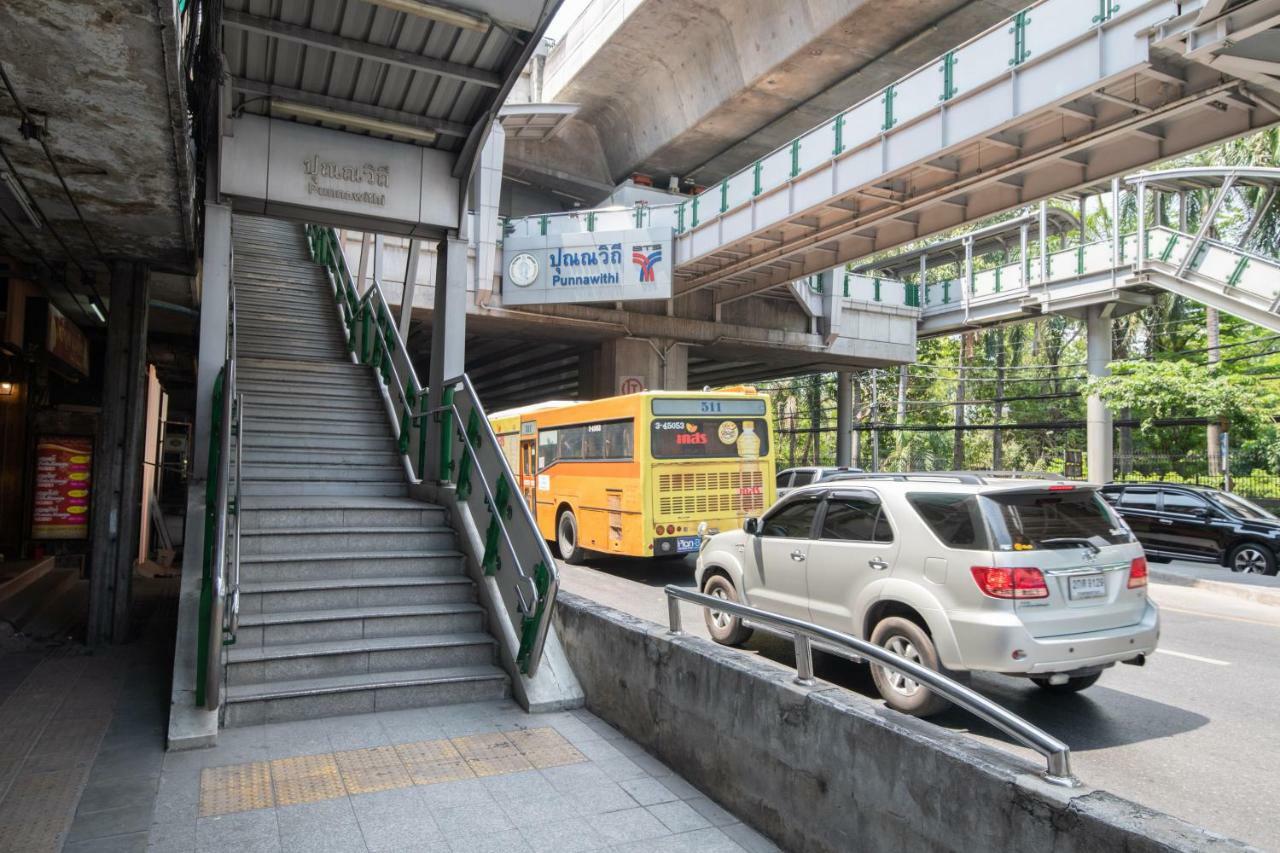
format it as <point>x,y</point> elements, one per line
<point>1260,589</point>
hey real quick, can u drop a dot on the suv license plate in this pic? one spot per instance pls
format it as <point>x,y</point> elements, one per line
<point>1088,586</point>
<point>688,544</point>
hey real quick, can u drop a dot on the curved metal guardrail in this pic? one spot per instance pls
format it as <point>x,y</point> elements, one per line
<point>1057,755</point>
<point>373,338</point>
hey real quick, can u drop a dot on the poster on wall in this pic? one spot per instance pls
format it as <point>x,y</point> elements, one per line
<point>63,470</point>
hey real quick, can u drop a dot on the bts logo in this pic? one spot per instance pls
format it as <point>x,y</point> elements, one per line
<point>646,258</point>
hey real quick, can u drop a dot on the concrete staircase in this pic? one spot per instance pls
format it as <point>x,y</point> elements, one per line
<point>354,596</point>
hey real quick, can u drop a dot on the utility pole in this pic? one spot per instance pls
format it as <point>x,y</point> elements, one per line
<point>997,436</point>
<point>957,448</point>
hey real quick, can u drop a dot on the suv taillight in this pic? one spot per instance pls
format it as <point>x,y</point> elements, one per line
<point>1019,582</point>
<point>1138,572</point>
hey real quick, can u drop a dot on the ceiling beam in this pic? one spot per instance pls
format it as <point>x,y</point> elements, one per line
<point>339,105</point>
<point>359,49</point>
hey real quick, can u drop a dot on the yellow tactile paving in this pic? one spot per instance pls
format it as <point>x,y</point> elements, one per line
<point>491,754</point>
<point>367,771</point>
<point>433,761</point>
<point>306,779</point>
<point>545,747</point>
<point>313,778</point>
<point>235,788</point>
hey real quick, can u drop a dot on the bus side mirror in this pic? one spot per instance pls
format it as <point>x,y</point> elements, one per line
<point>751,525</point>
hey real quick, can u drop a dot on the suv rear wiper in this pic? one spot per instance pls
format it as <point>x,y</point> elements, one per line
<point>1072,540</point>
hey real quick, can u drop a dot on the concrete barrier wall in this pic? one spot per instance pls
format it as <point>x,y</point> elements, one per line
<point>821,769</point>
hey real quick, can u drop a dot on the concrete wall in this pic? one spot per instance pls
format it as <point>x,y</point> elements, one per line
<point>824,770</point>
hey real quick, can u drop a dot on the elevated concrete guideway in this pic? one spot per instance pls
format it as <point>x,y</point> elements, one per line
<point>1058,98</point>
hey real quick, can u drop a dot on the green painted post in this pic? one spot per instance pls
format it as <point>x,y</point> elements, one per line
<point>491,562</point>
<point>542,225</point>
<point>680,218</point>
<point>639,215</point>
<point>464,465</point>
<point>795,157</point>
<point>1234,278</point>
<point>890,93</point>
<point>421,422</point>
<point>846,284</point>
<point>875,283</point>
<point>724,195</point>
<point>591,220</point>
<point>998,271</point>
<point>1168,249</point>
<point>529,627</point>
<point>946,292</point>
<point>756,170</point>
<point>948,69</point>
<point>694,221</point>
<point>446,434</point>
<point>410,400</point>
<point>839,129</point>
<point>1079,260</point>
<point>1019,30</point>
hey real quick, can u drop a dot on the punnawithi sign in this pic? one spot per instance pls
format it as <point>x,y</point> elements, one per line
<point>599,266</point>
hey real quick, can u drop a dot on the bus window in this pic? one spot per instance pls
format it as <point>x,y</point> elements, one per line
<point>618,440</point>
<point>593,441</point>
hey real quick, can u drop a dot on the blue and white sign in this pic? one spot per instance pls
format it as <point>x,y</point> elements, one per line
<point>599,266</point>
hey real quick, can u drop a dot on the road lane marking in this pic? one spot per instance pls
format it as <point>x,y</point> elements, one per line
<point>1213,661</point>
<point>1218,616</point>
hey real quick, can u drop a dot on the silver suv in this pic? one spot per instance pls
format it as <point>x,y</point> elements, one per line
<point>959,573</point>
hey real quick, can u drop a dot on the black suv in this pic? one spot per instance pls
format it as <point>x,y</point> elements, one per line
<point>1198,523</point>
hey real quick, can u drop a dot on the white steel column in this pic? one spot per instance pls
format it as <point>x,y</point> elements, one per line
<point>448,338</point>
<point>1044,242</point>
<point>1098,420</point>
<point>844,416</point>
<point>215,289</point>
<point>362,270</point>
<point>410,284</point>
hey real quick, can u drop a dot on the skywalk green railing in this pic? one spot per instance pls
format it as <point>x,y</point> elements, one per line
<point>514,553</point>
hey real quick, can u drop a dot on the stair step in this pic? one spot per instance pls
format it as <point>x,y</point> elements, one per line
<point>366,655</point>
<point>312,426</point>
<point>324,442</point>
<point>295,512</point>
<point>294,487</point>
<point>268,367</point>
<point>286,391</point>
<point>283,701</point>
<point>316,473</point>
<point>257,453</point>
<point>342,408</point>
<point>302,626</point>
<point>301,540</point>
<point>339,593</point>
<point>266,568</point>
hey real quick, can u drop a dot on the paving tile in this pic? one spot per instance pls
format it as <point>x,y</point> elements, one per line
<point>629,825</point>
<point>680,787</point>
<point>647,792</point>
<point>366,771</point>
<point>432,762</point>
<point>529,811</point>
<point>131,791</point>
<point>678,816</point>
<point>712,811</point>
<point>392,820</point>
<point>490,754</point>
<point>509,841</point>
<point>134,842</point>
<point>569,836</point>
<point>246,832</point>
<point>749,839</point>
<point>517,786</point>
<point>652,766</point>
<point>110,822</point>
<point>306,779</point>
<point>621,768</point>
<point>470,820</point>
<point>698,841</point>
<point>324,837</point>
<point>176,837</point>
<point>599,750</point>
<point>293,819</point>
<point>455,794</point>
<point>607,797</point>
<point>573,776</point>
<point>237,788</point>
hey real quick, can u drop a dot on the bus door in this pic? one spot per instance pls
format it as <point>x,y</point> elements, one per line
<point>528,471</point>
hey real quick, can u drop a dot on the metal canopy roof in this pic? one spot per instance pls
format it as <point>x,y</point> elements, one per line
<point>418,71</point>
<point>535,122</point>
<point>1205,177</point>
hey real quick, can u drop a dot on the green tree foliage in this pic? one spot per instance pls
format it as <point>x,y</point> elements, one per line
<point>1181,388</point>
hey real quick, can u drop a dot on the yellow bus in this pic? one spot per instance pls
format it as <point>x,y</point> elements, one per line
<point>635,475</point>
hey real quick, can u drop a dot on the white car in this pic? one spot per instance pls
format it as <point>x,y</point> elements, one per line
<point>793,478</point>
<point>958,573</point>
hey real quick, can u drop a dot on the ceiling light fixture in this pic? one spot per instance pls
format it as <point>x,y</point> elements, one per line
<point>444,14</point>
<point>21,197</point>
<point>97,311</point>
<point>363,122</point>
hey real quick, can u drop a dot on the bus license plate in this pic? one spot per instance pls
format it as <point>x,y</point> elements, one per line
<point>1088,586</point>
<point>687,544</point>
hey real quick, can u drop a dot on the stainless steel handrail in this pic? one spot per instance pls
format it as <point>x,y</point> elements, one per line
<point>528,607</point>
<point>213,651</point>
<point>1057,754</point>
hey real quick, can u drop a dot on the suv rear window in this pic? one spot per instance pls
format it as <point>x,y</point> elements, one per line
<point>1058,519</point>
<point>954,518</point>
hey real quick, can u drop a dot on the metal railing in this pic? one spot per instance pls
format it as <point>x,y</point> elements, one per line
<point>373,338</point>
<point>532,592</point>
<point>1056,753</point>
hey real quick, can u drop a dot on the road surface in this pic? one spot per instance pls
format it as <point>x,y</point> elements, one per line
<point>1193,733</point>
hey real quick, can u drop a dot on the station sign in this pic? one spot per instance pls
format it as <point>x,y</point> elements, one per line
<point>593,266</point>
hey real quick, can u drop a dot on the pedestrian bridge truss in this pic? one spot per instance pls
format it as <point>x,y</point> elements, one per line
<point>1062,96</point>
<point>1000,274</point>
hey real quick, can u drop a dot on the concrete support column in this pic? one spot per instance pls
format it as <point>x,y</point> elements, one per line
<point>117,480</point>
<point>855,440</point>
<point>844,417</point>
<point>448,337</point>
<point>410,284</point>
<point>486,188</point>
<point>1098,420</point>
<point>624,365</point>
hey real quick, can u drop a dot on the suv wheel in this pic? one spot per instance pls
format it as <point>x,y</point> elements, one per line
<point>1073,685</point>
<point>1252,559</point>
<point>724,629</point>
<point>908,640</point>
